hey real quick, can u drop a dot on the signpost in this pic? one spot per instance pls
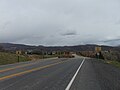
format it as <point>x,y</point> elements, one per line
<point>98,50</point>
<point>18,54</point>
<point>26,53</point>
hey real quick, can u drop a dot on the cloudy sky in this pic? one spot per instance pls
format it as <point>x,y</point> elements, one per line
<point>60,22</point>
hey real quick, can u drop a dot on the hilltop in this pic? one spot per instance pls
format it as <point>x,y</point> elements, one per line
<point>88,47</point>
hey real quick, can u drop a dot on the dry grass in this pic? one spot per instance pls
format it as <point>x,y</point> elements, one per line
<point>115,63</point>
<point>9,58</point>
<point>36,57</point>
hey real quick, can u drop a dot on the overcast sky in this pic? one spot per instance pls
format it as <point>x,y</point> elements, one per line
<point>60,22</point>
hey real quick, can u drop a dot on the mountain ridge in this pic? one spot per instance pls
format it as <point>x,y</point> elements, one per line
<point>87,47</point>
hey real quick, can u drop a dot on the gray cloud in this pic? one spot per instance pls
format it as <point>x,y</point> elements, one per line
<point>118,22</point>
<point>113,41</point>
<point>69,33</point>
<point>118,40</point>
<point>4,26</point>
<point>59,22</point>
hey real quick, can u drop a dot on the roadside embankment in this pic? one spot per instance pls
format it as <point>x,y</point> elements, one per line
<point>10,58</point>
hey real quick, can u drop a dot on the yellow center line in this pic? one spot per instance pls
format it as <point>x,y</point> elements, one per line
<point>8,69</point>
<point>28,71</point>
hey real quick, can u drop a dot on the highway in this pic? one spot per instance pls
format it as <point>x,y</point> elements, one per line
<point>77,73</point>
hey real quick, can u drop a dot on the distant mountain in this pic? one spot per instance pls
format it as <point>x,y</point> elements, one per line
<point>10,46</point>
<point>88,47</point>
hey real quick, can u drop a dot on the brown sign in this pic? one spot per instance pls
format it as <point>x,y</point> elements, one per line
<point>98,49</point>
<point>18,52</point>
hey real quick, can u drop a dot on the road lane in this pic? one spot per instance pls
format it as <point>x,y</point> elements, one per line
<point>28,66</point>
<point>72,80</point>
<point>53,78</point>
<point>11,68</point>
<point>94,75</point>
<point>3,67</point>
<point>28,71</point>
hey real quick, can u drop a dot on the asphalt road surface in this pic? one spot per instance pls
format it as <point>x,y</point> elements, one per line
<point>60,74</point>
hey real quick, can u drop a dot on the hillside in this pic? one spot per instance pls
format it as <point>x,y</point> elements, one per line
<point>89,47</point>
<point>8,58</point>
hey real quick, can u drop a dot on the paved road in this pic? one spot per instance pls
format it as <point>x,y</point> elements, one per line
<point>58,74</point>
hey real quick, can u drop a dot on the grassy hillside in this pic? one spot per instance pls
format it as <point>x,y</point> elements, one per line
<point>8,58</point>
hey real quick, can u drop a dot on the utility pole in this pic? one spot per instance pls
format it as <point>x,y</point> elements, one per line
<point>18,58</point>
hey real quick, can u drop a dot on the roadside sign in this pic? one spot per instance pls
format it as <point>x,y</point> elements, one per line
<point>98,49</point>
<point>25,53</point>
<point>18,52</point>
<point>98,54</point>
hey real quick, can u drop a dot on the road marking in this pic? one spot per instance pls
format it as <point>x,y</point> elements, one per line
<point>28,71</point>
<point>12,68</point>
<point>72,80</point>
<point>8,69</point>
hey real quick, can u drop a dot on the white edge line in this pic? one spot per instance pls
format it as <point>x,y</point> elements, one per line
<point>72,80</point>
